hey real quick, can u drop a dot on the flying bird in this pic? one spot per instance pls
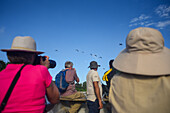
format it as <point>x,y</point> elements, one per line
<point>120,44</point>
<point>77,50</point>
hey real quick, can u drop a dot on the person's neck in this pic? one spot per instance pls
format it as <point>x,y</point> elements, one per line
<point>68,68</point>
<point>94,69</point>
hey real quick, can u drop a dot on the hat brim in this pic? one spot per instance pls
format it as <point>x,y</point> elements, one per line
<point>18,50</point>
<point>153,64</point>
<point>94,66</point>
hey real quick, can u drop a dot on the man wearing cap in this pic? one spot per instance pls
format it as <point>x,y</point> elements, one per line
<point>142,84</point>
<point>28,94</point>
<point>94,89</point>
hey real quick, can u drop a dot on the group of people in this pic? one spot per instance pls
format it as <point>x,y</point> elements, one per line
<point>138,79</point>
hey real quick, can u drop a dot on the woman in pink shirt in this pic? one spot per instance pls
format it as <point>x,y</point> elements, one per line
<point>34,82</point>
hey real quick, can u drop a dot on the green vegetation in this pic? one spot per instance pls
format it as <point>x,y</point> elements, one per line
<point>81,87</point>
<point>2,65</point>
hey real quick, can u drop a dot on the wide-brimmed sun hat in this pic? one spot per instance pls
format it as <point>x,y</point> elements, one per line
<point>24,44</point>
<point>93,64</point>
<point>144,54</point>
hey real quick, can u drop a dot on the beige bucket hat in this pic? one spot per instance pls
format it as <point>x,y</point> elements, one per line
<point>25,44</point>
<point>144,54</point>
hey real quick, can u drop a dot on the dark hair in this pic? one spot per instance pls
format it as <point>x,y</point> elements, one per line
<point>110,63</point>
<point>93,68</point>
<point>20,57</point>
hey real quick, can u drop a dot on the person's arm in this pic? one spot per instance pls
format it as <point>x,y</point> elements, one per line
<point>77,80</point>
<point>76,77</point>
<point>46,63</point>
<point>52,93</point>
<point>97,92</point>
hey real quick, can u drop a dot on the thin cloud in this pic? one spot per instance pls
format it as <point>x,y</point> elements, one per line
<point>140,18</point>
<point>163,24</point>
<point>149,24</point>
<point>143,23</point>
<point>163,11</point>
<point>135,24</point>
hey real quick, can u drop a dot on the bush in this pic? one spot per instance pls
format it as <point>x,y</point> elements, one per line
<point>2,65</point>
<point>80,87</point>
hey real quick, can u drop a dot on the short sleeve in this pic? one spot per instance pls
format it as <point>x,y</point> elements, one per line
<point>95,76</point>
<point>46,76</point>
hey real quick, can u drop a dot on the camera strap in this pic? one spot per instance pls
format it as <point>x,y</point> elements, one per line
<point>4,102</point>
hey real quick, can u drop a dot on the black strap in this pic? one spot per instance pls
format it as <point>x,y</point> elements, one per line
<point>4,102</point>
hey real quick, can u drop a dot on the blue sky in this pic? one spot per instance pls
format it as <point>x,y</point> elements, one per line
<point>94,27</point>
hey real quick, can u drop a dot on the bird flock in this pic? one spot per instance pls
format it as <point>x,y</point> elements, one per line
<point>91,54</point>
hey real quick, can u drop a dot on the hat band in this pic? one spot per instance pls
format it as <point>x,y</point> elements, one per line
<point>22,48</point>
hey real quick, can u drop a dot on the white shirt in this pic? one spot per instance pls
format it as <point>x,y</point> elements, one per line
<point>92,76</point>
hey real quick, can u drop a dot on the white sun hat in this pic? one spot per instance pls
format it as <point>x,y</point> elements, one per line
<point>144,54</point>
<point>24,44</point>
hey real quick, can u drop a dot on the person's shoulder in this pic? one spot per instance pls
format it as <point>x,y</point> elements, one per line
<point>93,72</point>
<point>37,67</point>
<point>114,70</point>
<point>71,70</point>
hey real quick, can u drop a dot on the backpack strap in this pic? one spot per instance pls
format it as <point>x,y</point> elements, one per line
<point>65,72</point>
<point>4,102</point>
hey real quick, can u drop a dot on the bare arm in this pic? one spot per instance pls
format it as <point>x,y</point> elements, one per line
<point>53,93</point>
<point>77,80</point>
<point>97,92</point>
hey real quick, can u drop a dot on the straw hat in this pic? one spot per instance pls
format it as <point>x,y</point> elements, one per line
<point>24,44</point>
<point>144,54</point>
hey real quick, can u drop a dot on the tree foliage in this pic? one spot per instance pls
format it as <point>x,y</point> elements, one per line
<point>2,65</point>
<point>81,87</point>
